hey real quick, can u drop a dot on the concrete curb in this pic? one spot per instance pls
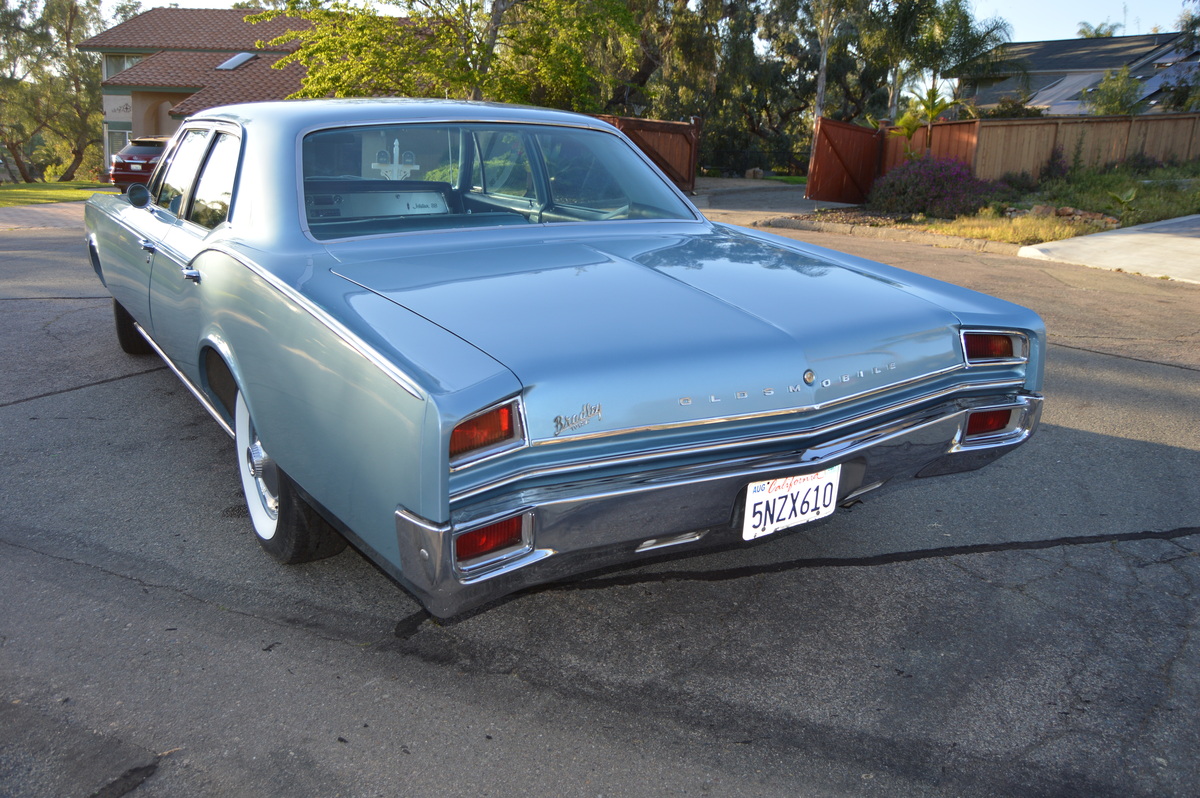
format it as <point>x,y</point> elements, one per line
<point>894,234</point>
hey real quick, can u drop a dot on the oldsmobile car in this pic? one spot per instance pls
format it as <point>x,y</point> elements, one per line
<point>493,346</point>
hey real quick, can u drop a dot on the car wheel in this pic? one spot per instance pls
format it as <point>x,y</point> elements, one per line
<point>286,526</point>
<point>128,337</point>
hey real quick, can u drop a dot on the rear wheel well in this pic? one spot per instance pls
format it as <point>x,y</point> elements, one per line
<point>219,380</point>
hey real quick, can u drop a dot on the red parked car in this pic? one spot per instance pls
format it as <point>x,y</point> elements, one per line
<point>136,160</point>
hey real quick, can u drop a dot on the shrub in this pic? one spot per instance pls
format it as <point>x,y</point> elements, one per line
<point>1055,167</point>
<point>1138,164</point>
<point>1012,108</point>
<point>940,187</point>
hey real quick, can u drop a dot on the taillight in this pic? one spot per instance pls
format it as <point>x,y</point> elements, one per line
<point>489,539</point>
<point>989,346</point>
<point>987,422</point>
<point>496,426</point>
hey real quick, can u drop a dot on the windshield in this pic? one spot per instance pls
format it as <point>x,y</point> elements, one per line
<point>395,178</point>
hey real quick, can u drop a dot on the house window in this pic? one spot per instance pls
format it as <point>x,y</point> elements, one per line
<point>116,64</point>
<point>115,141</point>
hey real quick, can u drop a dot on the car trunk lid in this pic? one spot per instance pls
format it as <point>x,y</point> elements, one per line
<point>629,333</point>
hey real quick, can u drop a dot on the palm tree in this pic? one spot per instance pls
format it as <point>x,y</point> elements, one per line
<point>1104,30</point>
<point>894,30</point>
<point>954,42</point>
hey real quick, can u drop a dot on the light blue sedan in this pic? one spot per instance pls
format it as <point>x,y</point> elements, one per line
<point>493,346</point>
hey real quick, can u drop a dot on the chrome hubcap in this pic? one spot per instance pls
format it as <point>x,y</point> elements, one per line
<point>262,472</point>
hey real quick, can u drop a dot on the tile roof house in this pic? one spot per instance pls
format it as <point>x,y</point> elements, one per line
<point>167,63</point>
<point>1055,75</point>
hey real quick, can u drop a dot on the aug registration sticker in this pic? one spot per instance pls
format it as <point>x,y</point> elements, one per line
<point>775,504</point>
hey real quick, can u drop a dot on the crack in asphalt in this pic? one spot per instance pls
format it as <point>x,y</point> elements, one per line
<point>1183,366</point>
<point>293,623</point>
<point>81,387</point>
<point>49,298</point>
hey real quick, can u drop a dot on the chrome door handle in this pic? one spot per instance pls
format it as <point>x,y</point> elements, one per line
<point>190,274</point>
<point>146,244</point>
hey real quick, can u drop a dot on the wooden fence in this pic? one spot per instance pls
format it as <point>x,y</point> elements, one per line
<point>673,146</point>
<point>996,147</point>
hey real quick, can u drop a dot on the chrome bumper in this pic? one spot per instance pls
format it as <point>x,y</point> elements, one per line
<point>585,524</point>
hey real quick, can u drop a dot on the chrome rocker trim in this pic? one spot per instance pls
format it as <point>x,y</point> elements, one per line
<point>196,392</point>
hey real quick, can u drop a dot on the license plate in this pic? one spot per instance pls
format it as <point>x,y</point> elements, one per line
<point>137,167</point>
<point>775,504</point>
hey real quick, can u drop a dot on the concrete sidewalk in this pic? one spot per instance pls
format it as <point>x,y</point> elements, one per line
<point>1170,248</point>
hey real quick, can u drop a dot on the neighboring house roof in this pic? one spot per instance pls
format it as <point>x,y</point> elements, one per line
<point>223,29</point>
<point>1055,75</point>
<point>254,79</point>
<point>189,46</point>
<point>1088,55</point>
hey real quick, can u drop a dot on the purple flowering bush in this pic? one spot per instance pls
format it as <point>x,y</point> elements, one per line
<point>940,187</point>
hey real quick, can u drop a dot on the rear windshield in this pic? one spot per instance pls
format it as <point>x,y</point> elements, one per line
<point>373,180</point>
<point>143,148</point>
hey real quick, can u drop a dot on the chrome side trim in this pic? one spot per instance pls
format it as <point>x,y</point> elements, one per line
<point>422,522</point>
<point>336,327</point>
<point>787,410</point>
<point>196,392</point>
<point>659,454</point>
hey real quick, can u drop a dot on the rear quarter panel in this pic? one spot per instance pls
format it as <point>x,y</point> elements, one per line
<point>347,432</point>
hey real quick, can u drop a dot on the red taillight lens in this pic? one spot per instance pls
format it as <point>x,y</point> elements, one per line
<point>985,422</point>
<point>488,539</point>
<point>988,346</point>
<point>488,429</point>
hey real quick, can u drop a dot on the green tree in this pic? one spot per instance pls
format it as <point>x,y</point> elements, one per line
<point>830,21</point>
<point>69,82</point>
<point>954,42</point>
<point>894,31</point>
<point>506,50</point>
<point>928,108</point>
<point>1103,30</point>
<point>1189,25</point>
<point>1118,94</point>
<point>22,50</point>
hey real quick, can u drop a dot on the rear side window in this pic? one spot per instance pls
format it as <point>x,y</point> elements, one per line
<point>181,171</point>
<point>214,191</point>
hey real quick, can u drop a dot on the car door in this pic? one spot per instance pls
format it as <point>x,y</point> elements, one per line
<point>137,235</point>
<point>203,209</point>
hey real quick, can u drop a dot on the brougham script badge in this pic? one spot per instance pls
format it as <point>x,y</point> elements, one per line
<point>571,423</point>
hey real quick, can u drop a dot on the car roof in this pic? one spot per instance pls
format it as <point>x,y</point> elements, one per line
<point>327,112</point>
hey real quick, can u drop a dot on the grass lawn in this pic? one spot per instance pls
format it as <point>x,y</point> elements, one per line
<point>13,194</point>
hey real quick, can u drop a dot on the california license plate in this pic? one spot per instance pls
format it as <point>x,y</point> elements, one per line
<point>137,167</point>
<point>775,504</point>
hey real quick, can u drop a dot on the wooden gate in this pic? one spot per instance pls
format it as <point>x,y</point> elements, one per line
<point>673,146</point>
<point>844,164</point>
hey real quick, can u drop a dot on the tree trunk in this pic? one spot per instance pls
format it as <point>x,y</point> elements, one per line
<point>14,150</point>
<point>76,158</point>
<point>819,104</point>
